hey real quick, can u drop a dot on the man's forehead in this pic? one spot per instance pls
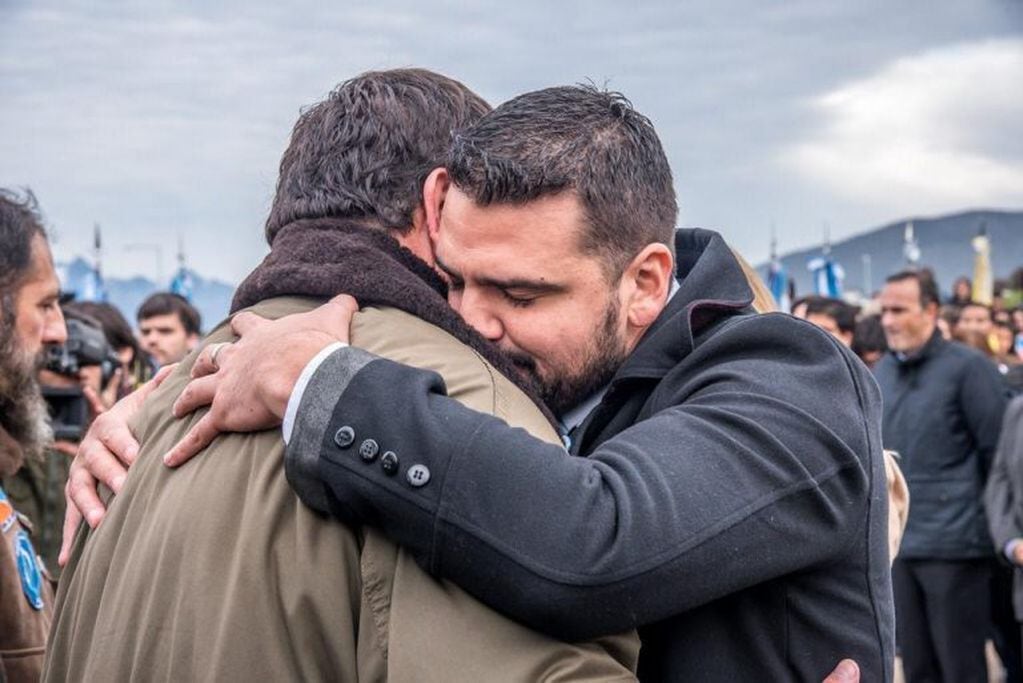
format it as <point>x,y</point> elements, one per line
<point>42,277</point>
<point>545,229</point>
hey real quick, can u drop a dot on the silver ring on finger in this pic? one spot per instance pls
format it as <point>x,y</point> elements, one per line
<point>217,348</point>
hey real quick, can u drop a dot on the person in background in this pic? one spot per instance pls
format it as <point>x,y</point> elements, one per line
<point>833,316</point>
<point>962,291</point>
<point>77,387</point>
<point>948,316</point>
<point>169,327</point>
<point>30,317</point>
<point>868,340</point>
<point>800,305</point>
<point>943,406</point>
<point>136,367</point>
<point>1003,499</point>
<point>975,317</point>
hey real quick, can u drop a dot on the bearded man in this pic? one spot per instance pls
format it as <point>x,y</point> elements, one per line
<point>30,316</point>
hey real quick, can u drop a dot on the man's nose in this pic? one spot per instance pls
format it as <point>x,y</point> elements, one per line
<point>474,311</point>
<point>55,330</point>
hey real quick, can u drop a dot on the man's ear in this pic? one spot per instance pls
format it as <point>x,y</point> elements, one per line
<point>646,283</point>
<point>435,189</point>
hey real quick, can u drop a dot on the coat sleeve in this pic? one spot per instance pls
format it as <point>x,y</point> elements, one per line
<point>754,473</point>
<point>983,397</point>
<point>1003,505</point>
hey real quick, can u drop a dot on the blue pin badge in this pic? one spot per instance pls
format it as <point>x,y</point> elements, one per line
<point>28,570</point>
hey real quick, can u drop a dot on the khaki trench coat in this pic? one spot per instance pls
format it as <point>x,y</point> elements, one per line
<point>217,571</point>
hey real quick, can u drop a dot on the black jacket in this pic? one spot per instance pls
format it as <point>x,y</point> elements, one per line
<point>732,502</point>
<point>1004,494</point>
<point>943,410</point>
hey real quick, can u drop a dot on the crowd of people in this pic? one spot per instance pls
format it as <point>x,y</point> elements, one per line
<point>946,370</point>
<point>681,484</point>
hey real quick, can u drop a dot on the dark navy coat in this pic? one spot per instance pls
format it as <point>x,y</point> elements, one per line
<point>943,410</point>
<point>731,502</point>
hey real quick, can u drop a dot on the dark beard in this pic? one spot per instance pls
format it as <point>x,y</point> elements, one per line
<point>23,412</point>
<point>601,362</point>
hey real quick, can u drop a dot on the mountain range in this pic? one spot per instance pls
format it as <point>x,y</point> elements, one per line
<point>211,297</point>
<point>944,244</point>
<point>945,247</point>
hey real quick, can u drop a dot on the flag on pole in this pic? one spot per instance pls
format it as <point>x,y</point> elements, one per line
<point>778,279</point>
<point>827,273</point>
<point>983,284</point>
<point>910,247</point>
<point>92,287</point>
<point>182,284</point>
<point>827,276</point>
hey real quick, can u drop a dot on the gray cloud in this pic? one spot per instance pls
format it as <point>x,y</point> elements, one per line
<point>160,118</point>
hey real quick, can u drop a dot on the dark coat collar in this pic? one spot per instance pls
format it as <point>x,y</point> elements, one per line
<point>712,287</point>
<point>924,352</point>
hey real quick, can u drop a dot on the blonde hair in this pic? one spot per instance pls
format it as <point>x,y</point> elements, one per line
<point>763,302</point>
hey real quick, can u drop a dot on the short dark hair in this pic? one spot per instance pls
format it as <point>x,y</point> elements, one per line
<point>576,139</point>
<point>164,303</point>
<point>868,336</point>
<point>924,279</point>
<point>115,327</point>
<point>842,313</point>
<point>20,222</point>
<point>366,150</point>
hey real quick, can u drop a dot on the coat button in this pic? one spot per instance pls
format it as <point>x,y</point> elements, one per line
<point>389,463</point>
<point>344,437</point>
<point>368,450</point>
<point>418,475</point>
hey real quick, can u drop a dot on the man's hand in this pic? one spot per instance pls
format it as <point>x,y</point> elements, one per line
<point>1017,554</point>
<point>247,384</point>
<point>846,672</point>
<point>104,454</point>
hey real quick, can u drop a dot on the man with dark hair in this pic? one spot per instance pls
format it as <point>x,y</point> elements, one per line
<point>218,571</point>
<point>730,501</point>
<point>29,318</point>
<point>942,413</point>
<point>834,316</point>
<point>169,327</point>
<point>868,342</point>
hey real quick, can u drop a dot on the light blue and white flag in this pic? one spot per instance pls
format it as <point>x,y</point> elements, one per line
<point>827,276</point>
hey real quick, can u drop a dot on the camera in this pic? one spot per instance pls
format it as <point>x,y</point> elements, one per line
<point>86,346</point>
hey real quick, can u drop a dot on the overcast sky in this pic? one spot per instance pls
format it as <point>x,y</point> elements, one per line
<point>167,119</point>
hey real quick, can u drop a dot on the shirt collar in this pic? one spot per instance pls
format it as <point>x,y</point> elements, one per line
<point>575,416</point>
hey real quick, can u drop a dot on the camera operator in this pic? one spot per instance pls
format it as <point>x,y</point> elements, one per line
<point>29,318</point>
<point>79,379</point>
<point>137,367</point>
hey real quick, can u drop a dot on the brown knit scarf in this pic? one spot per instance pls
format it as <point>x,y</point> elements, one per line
<point>329,256</point>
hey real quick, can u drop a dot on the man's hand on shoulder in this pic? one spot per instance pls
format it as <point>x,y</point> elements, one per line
<point>247,383</point>
<point>103,456</point>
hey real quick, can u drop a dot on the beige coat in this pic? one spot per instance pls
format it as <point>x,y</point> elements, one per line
<point>217,571</point>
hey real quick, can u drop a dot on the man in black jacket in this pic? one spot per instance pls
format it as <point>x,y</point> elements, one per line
<point>1004,498</point>
<point>942,412</point>
<point>731,502</point>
